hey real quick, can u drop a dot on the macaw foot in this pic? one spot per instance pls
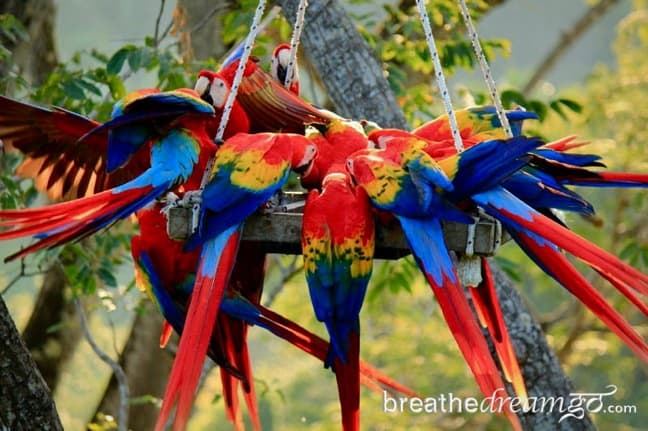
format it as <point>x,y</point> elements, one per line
<point>280,202</point>
<point>183,214</point>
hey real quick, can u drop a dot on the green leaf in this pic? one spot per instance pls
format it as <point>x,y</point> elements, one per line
<point>73,89</point>
<point>107,277</point>
<point>135,59</point>
<point>90,87</point>
<point>116,62</point>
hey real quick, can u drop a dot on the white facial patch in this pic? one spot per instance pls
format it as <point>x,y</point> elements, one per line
<point>218,92</point>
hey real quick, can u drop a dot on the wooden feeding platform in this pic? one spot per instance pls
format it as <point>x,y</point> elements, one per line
<point>279,231</point>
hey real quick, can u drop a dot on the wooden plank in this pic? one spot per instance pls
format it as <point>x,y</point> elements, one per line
<point>280,231</point>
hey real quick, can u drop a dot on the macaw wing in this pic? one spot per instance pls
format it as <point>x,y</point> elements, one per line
<point>317,249</point>
<point>60,165</point>
<point>273,108</point>
<point>136,119</point>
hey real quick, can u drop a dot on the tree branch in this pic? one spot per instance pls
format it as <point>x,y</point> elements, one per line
<point>122,380</point>
<point>568,38</point>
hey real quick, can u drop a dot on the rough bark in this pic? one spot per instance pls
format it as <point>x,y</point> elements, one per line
<point>51,349</point>
<point>344,62</point>
<point>37,56</point>
<point>205,24</point>
<point>566,40</point>
<point>147,368</point>
<point>25,400</point>
<point>358,89</point>
<point>542,372</point>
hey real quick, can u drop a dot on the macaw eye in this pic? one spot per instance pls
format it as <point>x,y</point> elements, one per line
<point>202,85</point>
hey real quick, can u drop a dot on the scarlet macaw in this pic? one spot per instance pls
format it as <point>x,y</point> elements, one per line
<point>279,67</point>
<point>338,238</point>
<point>170,125</point>
<point>267,103</point>
<point>539,236</point>
<point>285,112</point>
<point>248,170</point>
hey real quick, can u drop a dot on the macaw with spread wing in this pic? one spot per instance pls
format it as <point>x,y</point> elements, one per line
<point>170,125</point>
<point>248,170</point>
<point>61,166</point>
<point>338,239</point>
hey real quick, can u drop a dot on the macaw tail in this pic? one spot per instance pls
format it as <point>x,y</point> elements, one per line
<point>540,237</point>
<point>425,238</point>
<point>490,315</point>
<point>609,179</point>
<point>238,354</point>
<point>64,222</point>
<point>347,375</point>
<point>554,263</point>
<point>521,218</point>
<point>216,263</point>
<point>308,342</point>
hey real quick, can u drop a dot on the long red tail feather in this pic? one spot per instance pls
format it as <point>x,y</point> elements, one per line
<point>569,277</point>
<point>490,314</point>
<point>201,318</point>
<point>471,342</point>
<point>347,376</point>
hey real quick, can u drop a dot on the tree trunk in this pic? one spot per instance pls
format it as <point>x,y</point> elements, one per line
<point>205,24</point>
<point>37,56</point>
<point>25,401</point>
<point>51,349</point>
<point>345,64</point>
<point>358,88</point>
<point>147,368</point>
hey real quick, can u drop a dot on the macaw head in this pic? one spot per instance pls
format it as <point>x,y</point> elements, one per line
<point>381,138</point>
<point>363,166</point>
<point>212,88</point>
<point>279,67</point>
<point>304,153</point>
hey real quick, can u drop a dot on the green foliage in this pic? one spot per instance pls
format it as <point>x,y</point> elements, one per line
<point>12,32</point>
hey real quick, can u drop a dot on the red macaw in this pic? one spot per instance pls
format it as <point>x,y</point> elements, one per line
<point>476,124</point>
<point>279,67</point>
<point>285,113</point>
<point>338,238</point>
<point>269,104</point>
<point>538,235</point>
<point>174,135</point>
<point>335,142</point>
<point>408,187</point>
<point>248,170</point>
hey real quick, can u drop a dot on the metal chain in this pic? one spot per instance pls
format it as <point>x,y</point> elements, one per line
<point>294,41</point>
<point>440,77</point>
<point>485,69</point>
